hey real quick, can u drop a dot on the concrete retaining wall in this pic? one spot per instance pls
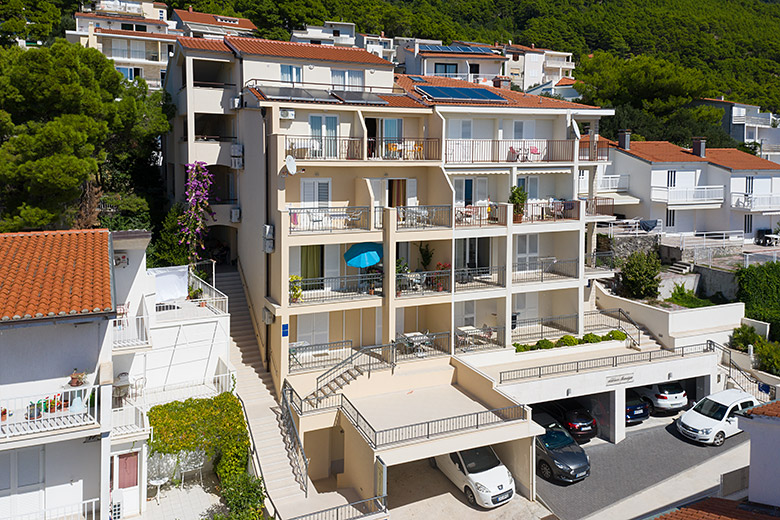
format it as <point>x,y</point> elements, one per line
<point>715,281</point>
<point>623,246</point>
<point>669,280</point>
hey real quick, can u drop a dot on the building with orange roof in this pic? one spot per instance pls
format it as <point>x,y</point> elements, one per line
<point>763,424</point>
<point>339,34</point>
<point>90,341</point>
<point>468,62</point>
<point>564,89</point>
<point>531,67</point>
<point>206,25</point>
<point>135,34</point>
<point>719,509</point>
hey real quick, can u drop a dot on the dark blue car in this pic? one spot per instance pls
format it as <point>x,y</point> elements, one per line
<point>637,410</point>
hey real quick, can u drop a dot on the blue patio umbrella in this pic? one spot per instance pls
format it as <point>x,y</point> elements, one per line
<point>363,255</point>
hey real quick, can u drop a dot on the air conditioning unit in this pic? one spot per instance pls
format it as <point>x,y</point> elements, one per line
<point>235,215</point>
<point>235,103</point>
<point>268,316</point>
<point>237,150</point>
<point>121,259</point>
<point>286,113</point>
<point>237,163</point>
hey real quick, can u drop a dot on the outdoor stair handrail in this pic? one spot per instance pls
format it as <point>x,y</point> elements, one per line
<point>299,455</point>
<point>732,366</point>
<point>350,363</point>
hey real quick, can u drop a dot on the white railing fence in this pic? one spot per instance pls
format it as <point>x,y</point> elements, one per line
<point>130,331</point>
<point>691,194</point>
<point>56,410</point>
<point>86,510</point>
<point>760,258</point>
<point>752,201</point>
<point>129,419</point>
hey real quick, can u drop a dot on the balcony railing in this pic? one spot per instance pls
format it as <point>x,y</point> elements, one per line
<point>606,320</point>
<point>753,120</point>
<point>550,211</point>
<point>537,270</point>
<point>411,346</point>
<point>466,76</point>
<point>129,420</point>
<point>130,332</point>
<point>531,330</point>
<point>127,54</point>
<point>607,183</point>
<point>68,408</point>
<point>594,150</point>
<point>480,215</point>
<point>704,239</point>
<point>208,386</point>
<point>478,278</point>
<point>472,339</point>
<point>755,202</point>
<point>302,356</point>
<point>631,227</point>
<point>508,150</point>
<point>422,283</point>
<point>335,288</point>
<point>86,510</point>
<point>694,194</point>
<point>211,84</point>
<point>600,206</point>
<point>315,148</point>
<point>404,149</point>
<point>601,262</point>
<point>559,62</point>
<point>206,300</point>
<point>423,217</point>
<point>200,137</point>
<point>330,220</point>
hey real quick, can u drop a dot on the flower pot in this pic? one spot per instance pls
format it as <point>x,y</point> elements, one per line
<point>3,414</point>
<point>397,294</point>
<point>75,380</point>
<point>371,291</point>
<point>517,218</point>
<point>202,304</point>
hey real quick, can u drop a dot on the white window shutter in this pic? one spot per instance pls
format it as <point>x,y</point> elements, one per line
<point>529,129</point>
<point>533,245</point>
<point>332,261</point>
<point>321,328</point>
<point>308,187</point>
<point>378,324</point>
<point>533,187</point>
<point>411,192</point>
<point>295,260</point>
<point>305,328</point>
<point>518,130</point>
<point>399,320</point>
<point>465,129</point>
<point>323,193</point>
<point>376,187</point>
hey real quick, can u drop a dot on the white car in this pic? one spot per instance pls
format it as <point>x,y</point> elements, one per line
<point>714,418</point>
<point>664,396</point>
<point>479,474</point>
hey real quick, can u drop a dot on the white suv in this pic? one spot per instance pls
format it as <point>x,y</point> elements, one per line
<point>664,396</point>
<point>714,418</point>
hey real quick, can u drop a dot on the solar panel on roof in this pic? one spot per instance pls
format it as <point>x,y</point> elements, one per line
<point>360,98</point>
<point>458,94</point>
<point>297,94</point>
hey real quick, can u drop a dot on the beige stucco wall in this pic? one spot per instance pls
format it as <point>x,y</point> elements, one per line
<point>519,457</point>
<point>358,462</point>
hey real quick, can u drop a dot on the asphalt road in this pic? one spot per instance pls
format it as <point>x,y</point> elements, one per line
<point>646,457</point>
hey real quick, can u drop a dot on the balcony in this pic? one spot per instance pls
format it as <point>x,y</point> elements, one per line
<point>313,148</point>
<point>68,407</point>
<point>508,151</point>
<point>404,149</point>
<point>423,283</point>
<point>409,346</point>
<point>207,302</point>
<point>423,217</point>
<point>128,54</point>
<point>86,510</point>
<point>549,211</point>
<point>207,386</point>
<point>473,339</point>
<point>303,356</point>
<point>480,216</point>
<point>467,76</point>
<point>692,195</point>
<point>540,270</point>
<point>601,264</point>
<point>531,330</point>
<point>594,150</point>
<point>130,333</point>
<point>559,63</point>
<point>129,421</point>
<point>336,288</point>
<point>755,202</point>
<point>479,278</point>
<point>329,220</point>
<point>760,120</point>
<point>606,184</point>
<point>599,207</point>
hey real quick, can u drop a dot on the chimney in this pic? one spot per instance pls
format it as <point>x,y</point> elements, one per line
<point>190,8</point>
<point>699,146</point>
<point>624,139</point>
<point>382,34</point>
<point>533,45</point>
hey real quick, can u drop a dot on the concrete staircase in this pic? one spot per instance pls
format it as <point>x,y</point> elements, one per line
<point>681,268</point>
<point>256,389</point>
<point>646,340</point>
<point>335,384</point>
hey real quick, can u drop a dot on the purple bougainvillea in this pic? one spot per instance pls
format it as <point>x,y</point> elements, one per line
<point>192,224</point>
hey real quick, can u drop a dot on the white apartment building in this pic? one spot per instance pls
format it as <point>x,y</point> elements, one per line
<point>135,34</point>
<point>389,274</point>
<point>205,25</point>
<point>83,302</point>
<point>378,45</point>
<point>712,190</point>
<point>340,34</point>
<point>531,66</point>
<point>563,88</point>
<point>469,62</point>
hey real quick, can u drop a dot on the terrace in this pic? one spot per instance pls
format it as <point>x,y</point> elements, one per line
<point>335,288</point>
<point>537,270</point>
<point>687,195</point>
<point>509,151</point>
<point>755,202</point>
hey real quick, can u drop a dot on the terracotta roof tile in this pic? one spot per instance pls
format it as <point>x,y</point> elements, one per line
<point>515,99</point>
<point>152,36</point>
<point>661,151</point>
<point>121,18</point>
<point>524,48</point>
<point>54,273</point>
<point>714,509</point>
<point>204,44</point>
<point>771,409</point>
<point>211,19</point>
<point>564,82</point>
<point>304,51</point>
<point>734,159</point>
<point>161,5</point>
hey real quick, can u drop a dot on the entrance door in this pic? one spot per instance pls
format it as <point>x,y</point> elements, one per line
<point>470,192</point>
<point>530,185</point>
<point>526,252</point>
<point>126,490</point>
<point>472,252</point>
<point>324,136</point>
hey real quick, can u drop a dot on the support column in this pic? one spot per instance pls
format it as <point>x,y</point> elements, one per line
<point>617,415</point>
<point>388,310</point>
<point>104,404</point>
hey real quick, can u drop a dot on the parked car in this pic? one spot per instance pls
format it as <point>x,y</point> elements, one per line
<point>577,419</point>
<point>480,474</point>
<point>664,396</point>
<point>557,455</point>
<point>637,410</point>
<point>714,418</point>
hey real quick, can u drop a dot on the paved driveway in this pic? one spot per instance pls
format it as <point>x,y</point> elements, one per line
<point>645,458</point>
<point>417,491</point>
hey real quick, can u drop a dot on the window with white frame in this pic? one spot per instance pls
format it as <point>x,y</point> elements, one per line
<point>464,314</point>
<point>749,184</point>
<point>347,79</point>
<point>748,225</point>
<point>671,179</point>
<point>670,217</point>
<point>292,73</point>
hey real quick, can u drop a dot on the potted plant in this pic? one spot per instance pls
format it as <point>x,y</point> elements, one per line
<point>296,289</point>
<point>77,378</point>
<point>401,267</point>
<point>426,255</point>
<point>518,198</point>
<point>34,410</point>
<point>440,277</point>
<point>3,414</point>
<point>194,294</point>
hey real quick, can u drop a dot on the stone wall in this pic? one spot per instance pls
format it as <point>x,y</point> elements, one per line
<point>713,281</point>
<point>623,246</point>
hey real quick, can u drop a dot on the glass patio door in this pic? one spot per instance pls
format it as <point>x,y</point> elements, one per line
<point>324,135</point>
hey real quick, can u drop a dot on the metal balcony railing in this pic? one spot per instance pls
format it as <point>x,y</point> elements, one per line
<point>755,202</point>
<point>423,217</point>
<point>549,211</point>
<point>330,220</point>
<point>600,206</point>
<point>594,150</point>
<point>302,356</point>
<point>411,345</point>
<point>335,288</point>
<point>129,332</point>
<point>352,511</point>
<point>531,330</point>
<point>423,283</point>
<point>480,215</point>
<point>57,410</point>
<point>694,194</point>
<point>606,183</point>
<point>537,270</point>
<point>605,320</point>
<point>128,54</point>
<point>472,339</point>
<point>316,148</point>
<point>508,150</point>
<point>404,149</point>
<point>206,299</point>
<point>478,278</point>
<point>598,262</point>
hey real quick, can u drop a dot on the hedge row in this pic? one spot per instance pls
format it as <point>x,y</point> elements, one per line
<point>570,341</point>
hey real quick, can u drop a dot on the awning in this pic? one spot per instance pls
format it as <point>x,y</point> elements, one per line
<point>621,199</point>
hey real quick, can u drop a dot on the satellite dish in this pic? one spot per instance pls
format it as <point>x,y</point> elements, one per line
<point>576,129</point>
<point>292,167</point>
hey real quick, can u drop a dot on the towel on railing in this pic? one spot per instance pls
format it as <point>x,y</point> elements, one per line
<point>648,225</point>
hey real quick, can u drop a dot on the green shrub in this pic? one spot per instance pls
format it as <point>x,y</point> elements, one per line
<point>614,335</point>
<point>743,336</point>
<point>243,494</point>
<point>544,344</point>
<point>639,275</point>
<point>566,341</point>
<point>521,348</point>
<point>687,298</point>
<point>767,314</point>
<point>759,288</point>
<point>590,338</point>
<point>768,355</point>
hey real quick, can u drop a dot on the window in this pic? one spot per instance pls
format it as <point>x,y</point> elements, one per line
<point>749,184</point>
<point>127,27</point>
<point>5,470</point>
<point>671,179</point>
<point>128,470</point>
<point>127,72</point>
<point>162,15</point>
<point>324,133</point>
<point>470,191</point>
<point>445,69</point>
<point>670,214</point>
<point>162,76</point>
<point>748,228</point>
<point>347,79</point>
<point>530,185</point>
<point>315,193</point>
<point>336,32</point>
<point>291,73</point>
<point>474,68</point>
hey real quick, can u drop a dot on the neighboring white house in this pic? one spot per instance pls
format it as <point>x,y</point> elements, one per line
<point>83,300</point>
<point>465,61</point>
<point>378,45</point>
<point>206,25</point>
<point>563,88</point>
<point>531,66</point>
<point>762,423</point>
<point>340,34</point>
